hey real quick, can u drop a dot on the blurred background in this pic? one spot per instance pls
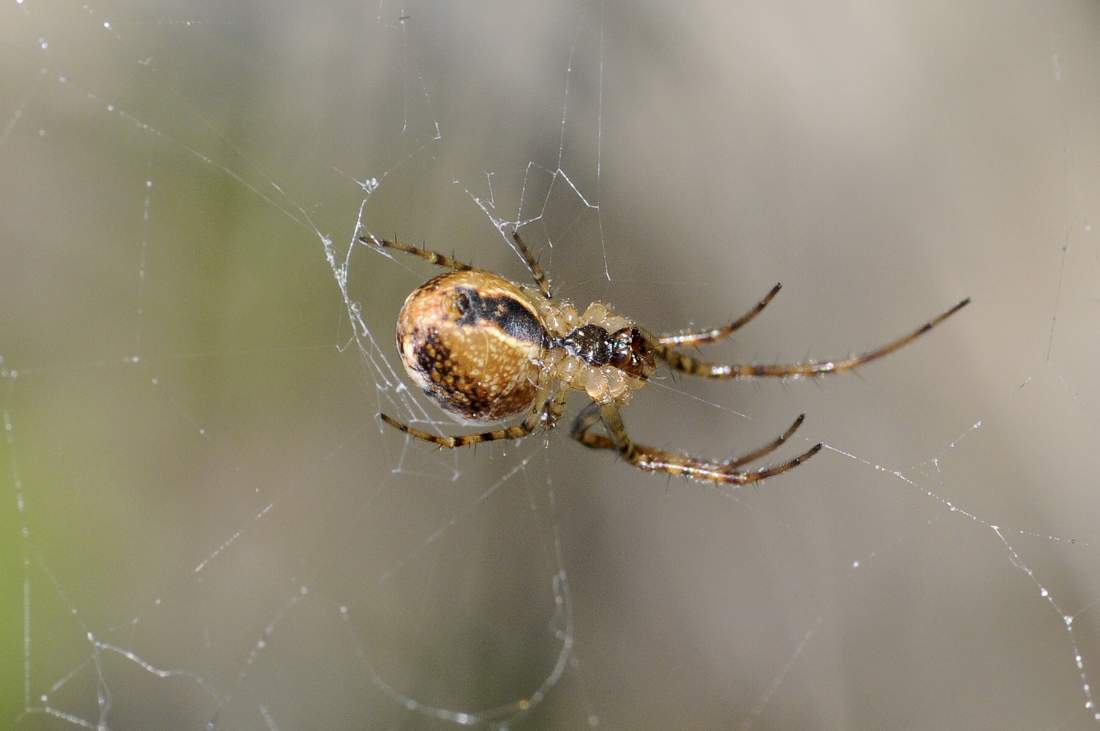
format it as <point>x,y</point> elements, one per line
<point>203,523</point>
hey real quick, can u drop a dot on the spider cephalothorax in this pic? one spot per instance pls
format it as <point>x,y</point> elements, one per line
<point>487,349</point>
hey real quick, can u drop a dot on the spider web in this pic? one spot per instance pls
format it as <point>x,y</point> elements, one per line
<point>206,525</point>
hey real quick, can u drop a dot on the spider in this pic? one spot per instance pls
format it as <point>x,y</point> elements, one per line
<point>488,349</point>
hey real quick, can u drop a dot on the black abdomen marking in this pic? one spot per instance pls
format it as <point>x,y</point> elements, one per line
<point>505,312</point>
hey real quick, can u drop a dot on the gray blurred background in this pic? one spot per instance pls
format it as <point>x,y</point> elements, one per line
<point>203,521</point>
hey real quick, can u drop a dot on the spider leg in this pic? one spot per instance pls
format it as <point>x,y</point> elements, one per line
<point>433,257</point>
<point>650,459</point>
<point>699,337</point>
<point>589,417</point>
<point>545,413</point>
<point>681,362</point>
<point>532,265</point>
<point>767,448</point>
<point>582,428</point>
<point>552,409</point>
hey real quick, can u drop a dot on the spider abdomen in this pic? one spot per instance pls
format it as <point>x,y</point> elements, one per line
<point>473,341</point>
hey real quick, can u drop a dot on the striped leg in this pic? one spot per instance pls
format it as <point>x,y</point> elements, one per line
<point>651,459</point>
<point>687,364</point>
<point>701,337</point>
<point>767,448</point>
<point>545,414</point>
<point>432,257</point>
<point>590,417</point>
<point>582,429</point>
<point>532,265</point>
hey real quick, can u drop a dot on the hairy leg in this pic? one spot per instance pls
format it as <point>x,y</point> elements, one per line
<point>700,337</point>
<point>432,257</point>
<point>651,459</point>
<point>546,414</point>
<point>681,362</point>
<point>532,265</point>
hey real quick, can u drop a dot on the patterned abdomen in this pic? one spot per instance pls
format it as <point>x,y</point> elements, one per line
<point>473,341</point>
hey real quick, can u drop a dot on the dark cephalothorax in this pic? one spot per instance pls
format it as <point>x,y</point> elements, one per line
<point>590,343</point>
<point>626,349</point>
